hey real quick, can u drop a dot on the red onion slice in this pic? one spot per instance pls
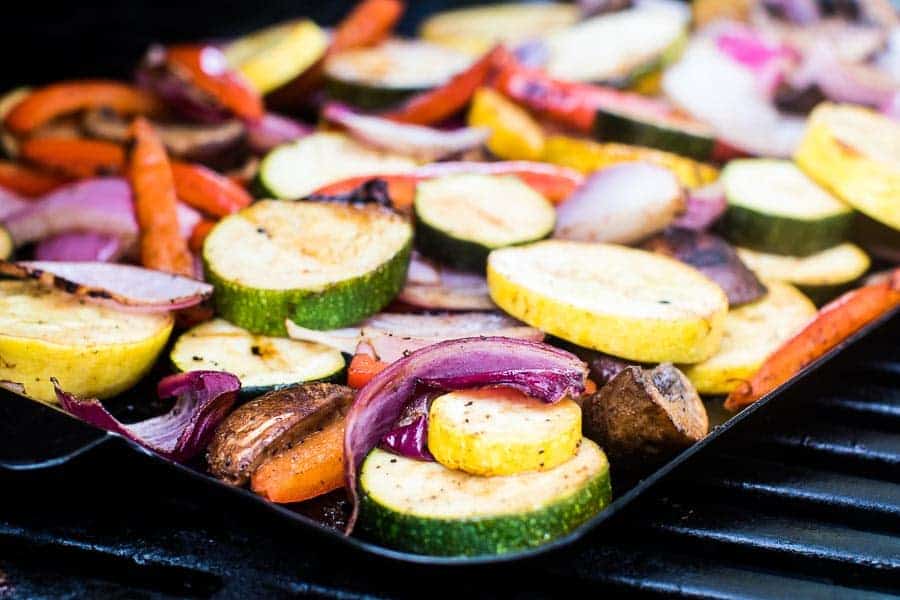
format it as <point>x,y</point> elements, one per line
<point>703,207</point>
<point>844,81</point>
<point>120,286</point>
<point>204,399</point>
<point>422,142</point>
<point>89,247</point>
<point>435,287</point>
<point>273,130</point>
<point>533,368</point>
<point>391,336</point>
<point>11,203</point>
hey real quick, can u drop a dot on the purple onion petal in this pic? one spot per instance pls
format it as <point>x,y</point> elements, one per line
<point>703,207</point>
<point>204,398</point>
<point>273,130</point>
<point>91,247</point>
<point>535,368</point>
<point>410,440</point>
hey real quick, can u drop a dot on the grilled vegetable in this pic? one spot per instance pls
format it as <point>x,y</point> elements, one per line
<point>752,333</point>
<point>27,181</point>
<point>477,29</point>
<point>515,135</point>
<point>7,247</point>
<point>670,132</point>
<point>621,204</point>
<point>9,144</point>
<point>821,276</point>
<point>296,170</point>
<point>424,507</point>
<point>261,363</point>
<point>645,415</point>
<point>431,286</point>
<point>78,247</point>
<point>362,369</point>
<point>855,153</point>
<point>501,431</point>
<point>624,302</point>
<point>835,322</point>
<point>270,424</point>
<point>588,156</point>
<point>94,351</point>
<point>620,46</point>
<point>272,57</point>
<point>368,23</point>
<point>74,157</point>
<point>206,190</point>
<point>461,218</point>
<point>773,207</point>
<point>322,265</point>
<point>385,75</point>
<point>713,257</point>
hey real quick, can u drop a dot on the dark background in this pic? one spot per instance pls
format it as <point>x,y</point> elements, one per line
<point>43,41</point>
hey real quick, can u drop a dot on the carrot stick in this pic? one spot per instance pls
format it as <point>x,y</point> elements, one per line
<point>367,24</point>
<point>27,181</point>
<point>207,68</point>
<point>362,369</point>
<point>198,235</point>
<point>310,468</point>
<point>834,323</point>
<point>162,247</point>
<point>74,157</point>
<point>206,190</point>
<point>438,104</point>
<point>47,103</point>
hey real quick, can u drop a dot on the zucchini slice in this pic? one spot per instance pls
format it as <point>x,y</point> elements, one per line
<point>773,207</point>
<point>821,276</point>
<point>752,333</point>
<point>261,363</point>
<point>7,246</point>
<point>298,169</point>
<point>271,57</point>
<point>625,302</point>
<point>322,265</point>
<point>855,153</point>
<point>670,132</point>
<point>427,508</point>
<point>461,218</point>
<point>9,145</point>
<point>500,431</point>
<point>477,29</point>
<point>387,74</point>
<point>94,351</point>
<point>618,46</point>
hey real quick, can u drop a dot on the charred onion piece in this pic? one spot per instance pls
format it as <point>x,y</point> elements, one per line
<point>272,423</point>
<point>644,416</point>
<point>712,256</point>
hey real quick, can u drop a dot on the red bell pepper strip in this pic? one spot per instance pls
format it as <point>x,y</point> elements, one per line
<point>199,233</point>
<point>442,102</point>
<point>26,181</point>
<point>207,191</point>
<point>362,369</point>
<point>155,204</point>
<point>207,68</point>
<point>401,188</point>
<point>367,24</point>
<point>47,103</point>
<point>835,322</point>
<point>74,157</point>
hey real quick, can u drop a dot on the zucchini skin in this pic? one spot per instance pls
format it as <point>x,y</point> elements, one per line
<point>447,250</point>
<point>484,536</point>
<point>341,304</point>
<point>631,130</point>
<point>368,97</point>
<point>779,234</point>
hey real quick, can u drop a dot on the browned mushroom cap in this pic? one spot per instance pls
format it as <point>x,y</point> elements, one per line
<point>202,143</point>
<point>646,415</point>
<point>272,423</point>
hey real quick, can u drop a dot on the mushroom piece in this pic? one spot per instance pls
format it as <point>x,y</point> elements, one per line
<point>645,416</point>
<point>271,423</point>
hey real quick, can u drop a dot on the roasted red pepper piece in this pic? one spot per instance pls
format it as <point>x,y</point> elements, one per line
<point>207,68</point>
<point>367,24</point>
<point>207,191</point>
<point>74,157</point>
<point>199,233</point>
<point>155,204</point>
<point>47,103</point>
<point>362,369</point>
<point>26,181</point>
<point>835,322</point>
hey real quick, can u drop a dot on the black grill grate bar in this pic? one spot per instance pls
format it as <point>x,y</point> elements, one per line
<point>884,408</point>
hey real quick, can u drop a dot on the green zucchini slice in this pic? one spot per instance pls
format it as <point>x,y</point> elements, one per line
<point>298,169</point>
<point>385,75</point>
<point>821,276</point>
<point>461,218</point>
<point>668,132</point>
<point>427,508</point>
<point>262,363</point>
<point>322,265</point>
<point>773,207</point>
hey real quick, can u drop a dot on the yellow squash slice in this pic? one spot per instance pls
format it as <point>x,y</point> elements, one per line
<point>500,431</point>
